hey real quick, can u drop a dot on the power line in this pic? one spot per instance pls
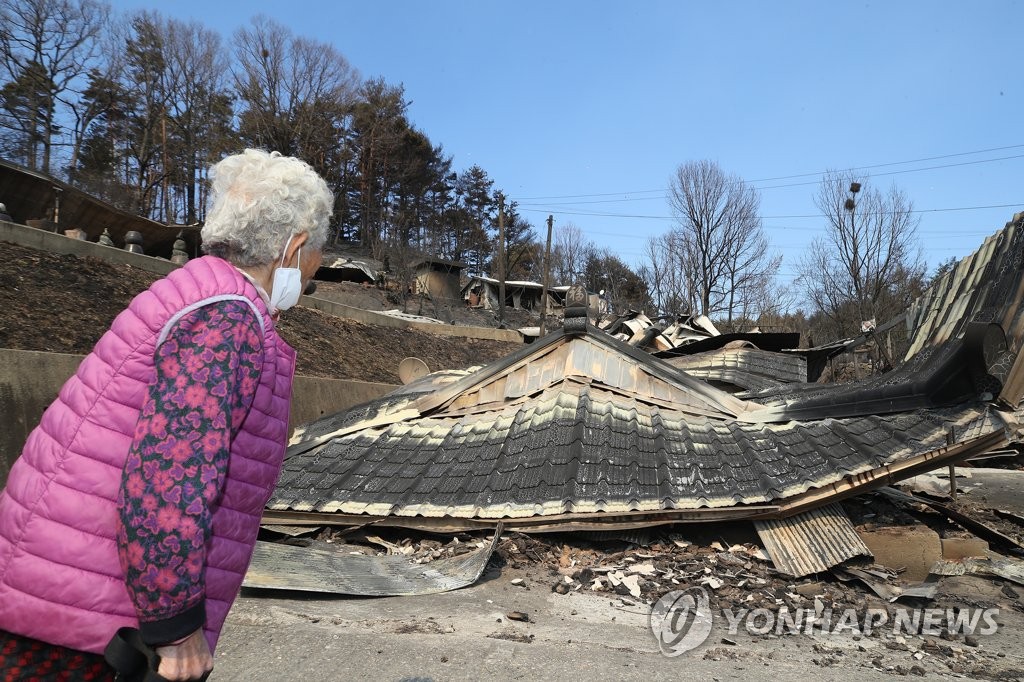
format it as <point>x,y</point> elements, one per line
<point>807,175</point>
<point>791,228</point>
<point>897,163</point>
<point>584,196</point>
<point>768,217</point>
<point>909,170</point>
<point>792,184</point>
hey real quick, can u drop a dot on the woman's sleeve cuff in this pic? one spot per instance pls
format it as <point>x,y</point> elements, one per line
<point>160,632</point>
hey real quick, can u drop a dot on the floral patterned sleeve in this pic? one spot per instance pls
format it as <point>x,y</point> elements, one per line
<point>207,371</point>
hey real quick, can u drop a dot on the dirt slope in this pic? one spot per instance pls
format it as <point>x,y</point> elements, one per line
<point>60,303</point>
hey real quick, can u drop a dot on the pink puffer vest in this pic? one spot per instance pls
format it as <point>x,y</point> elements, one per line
<point>60,580</point>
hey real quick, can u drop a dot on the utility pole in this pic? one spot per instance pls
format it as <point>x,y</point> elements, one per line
<point>851,206</point>
<point>547,274</point>
<point>167,199</point>
<point>501,260</point>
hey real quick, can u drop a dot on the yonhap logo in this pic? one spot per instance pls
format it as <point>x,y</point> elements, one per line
<point>681,620</point>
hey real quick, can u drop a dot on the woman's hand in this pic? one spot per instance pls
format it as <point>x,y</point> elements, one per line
<point>188,659</point>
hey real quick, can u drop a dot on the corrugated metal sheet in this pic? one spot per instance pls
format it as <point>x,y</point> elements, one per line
<point>811,542</point>
<point>983,287</point>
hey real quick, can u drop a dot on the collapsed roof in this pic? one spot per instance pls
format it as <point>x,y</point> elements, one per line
<point>581,430</point>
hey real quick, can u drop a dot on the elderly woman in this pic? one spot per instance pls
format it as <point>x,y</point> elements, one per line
<point>137,500</point>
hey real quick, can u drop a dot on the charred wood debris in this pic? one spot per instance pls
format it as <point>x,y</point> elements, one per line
<point>634,568</point>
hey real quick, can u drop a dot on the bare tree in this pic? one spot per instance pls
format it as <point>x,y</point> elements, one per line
<point>46,48</point>
<point>569,257</point>
<point>295,92</point>
<point>868,263</point>
<point>622,288</point>
<point>719,244</point>
<point>146,84</point>
<point>99,101</point>
<point>664,275</point>
<point>777,302</point>
<point>199,110</point>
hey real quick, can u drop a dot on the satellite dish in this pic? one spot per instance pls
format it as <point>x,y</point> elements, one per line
<point>411,369</point>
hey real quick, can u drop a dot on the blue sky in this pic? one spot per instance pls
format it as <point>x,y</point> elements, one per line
<point>606,99</point>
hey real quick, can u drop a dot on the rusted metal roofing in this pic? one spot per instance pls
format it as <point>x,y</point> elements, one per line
<point>811,542</point>
<point>989,278</point>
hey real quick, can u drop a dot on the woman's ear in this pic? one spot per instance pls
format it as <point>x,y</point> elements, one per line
<point>290,255</point>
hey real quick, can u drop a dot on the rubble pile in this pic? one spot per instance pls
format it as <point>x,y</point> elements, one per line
<point>735,576</point>
<point>419,550</point>
<point>739,577</point>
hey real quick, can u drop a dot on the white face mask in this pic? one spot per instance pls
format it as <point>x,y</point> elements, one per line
<point>287,285</point>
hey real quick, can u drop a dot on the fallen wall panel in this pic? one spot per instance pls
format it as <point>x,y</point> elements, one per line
<point>332,569</point>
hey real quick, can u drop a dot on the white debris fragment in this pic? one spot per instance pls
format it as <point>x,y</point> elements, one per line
<point>760,554</point>
<point>681,544</point>
<point>646,568</point>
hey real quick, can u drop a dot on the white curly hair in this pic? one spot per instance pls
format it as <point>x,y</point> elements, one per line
<point>259,200</point>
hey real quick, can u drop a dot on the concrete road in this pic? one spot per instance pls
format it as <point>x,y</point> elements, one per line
<point>465,635</point>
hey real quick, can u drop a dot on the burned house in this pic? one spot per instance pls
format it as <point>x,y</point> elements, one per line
<point>438,278</point>
<point>583,431</point>
<point>483,292</point>
<point>349,267</point>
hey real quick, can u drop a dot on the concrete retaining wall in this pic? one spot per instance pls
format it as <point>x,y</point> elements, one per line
<point>42,240</point>
<point>58,243</point>
<point>30,380</point>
